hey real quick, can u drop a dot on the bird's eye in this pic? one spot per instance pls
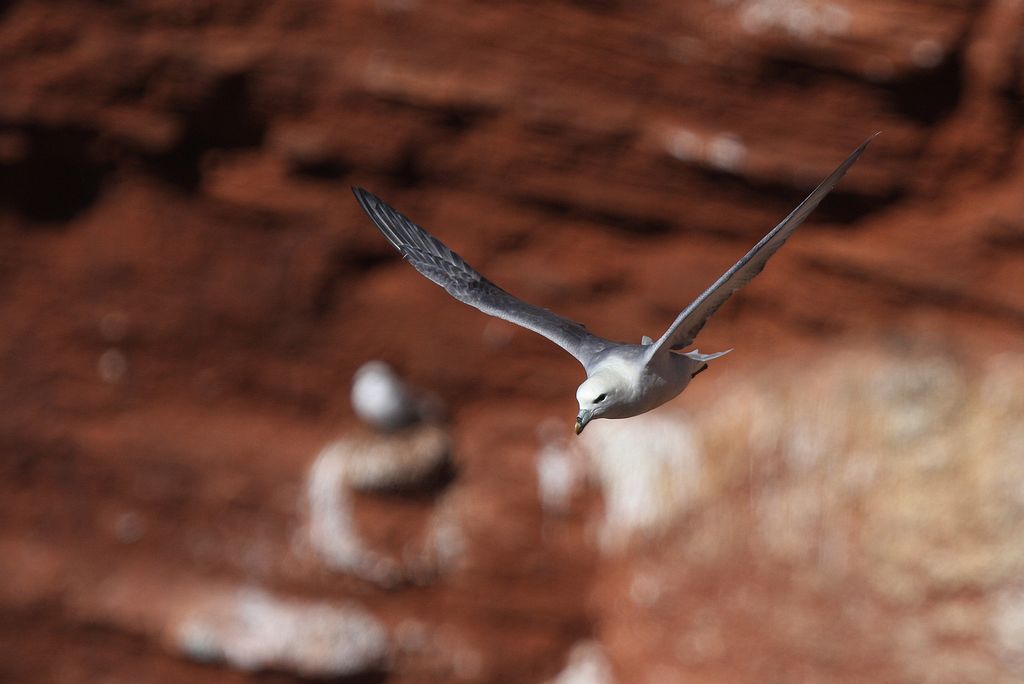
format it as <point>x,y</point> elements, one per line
<point>600,398</point>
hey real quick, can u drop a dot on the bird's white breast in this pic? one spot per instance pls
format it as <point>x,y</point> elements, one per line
<point>643,387</point>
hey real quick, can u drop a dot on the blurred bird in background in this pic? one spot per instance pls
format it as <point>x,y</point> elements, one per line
<point>385,402</point>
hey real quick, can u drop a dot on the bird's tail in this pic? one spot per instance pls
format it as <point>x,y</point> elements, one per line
<point>702,359</point>
<point>697,356</point>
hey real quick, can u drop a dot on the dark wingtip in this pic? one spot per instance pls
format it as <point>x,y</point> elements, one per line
<point>387,220</point>
<point>367,200</point>
<point>845,166</point>
<point>864,145</point>
<point>362,195</point>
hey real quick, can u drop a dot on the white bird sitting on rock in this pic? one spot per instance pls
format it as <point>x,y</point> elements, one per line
<point>623,380</point>
<point>384,402</point>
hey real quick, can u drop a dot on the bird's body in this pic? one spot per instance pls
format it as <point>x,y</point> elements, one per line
<point>623,380</point>
<point>622,372</point>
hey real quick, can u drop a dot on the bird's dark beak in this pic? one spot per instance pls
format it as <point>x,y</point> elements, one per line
<point>582,420</point>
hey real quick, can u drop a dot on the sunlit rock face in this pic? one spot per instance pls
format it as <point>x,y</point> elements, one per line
<point>864,509</point>
<point>252,630</point>
<point>371,462</point>
<point>650,472</point>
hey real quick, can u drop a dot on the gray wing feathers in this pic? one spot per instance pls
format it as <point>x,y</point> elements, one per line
<point>436,261</point>
<point>686,326</point>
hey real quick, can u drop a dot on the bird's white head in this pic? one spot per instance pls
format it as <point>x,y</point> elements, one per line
<point>596,396</point>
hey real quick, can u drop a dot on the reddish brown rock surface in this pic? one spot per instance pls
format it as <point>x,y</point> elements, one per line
<point>188,287</point>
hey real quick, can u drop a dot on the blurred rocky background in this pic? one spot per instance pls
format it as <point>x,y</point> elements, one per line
<point>187,288</point>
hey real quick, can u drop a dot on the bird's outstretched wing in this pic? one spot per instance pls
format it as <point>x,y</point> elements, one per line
<point>436,261</point>
<point>686,326</point>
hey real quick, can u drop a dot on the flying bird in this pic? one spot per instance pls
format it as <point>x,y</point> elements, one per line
<point>623,380</point>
